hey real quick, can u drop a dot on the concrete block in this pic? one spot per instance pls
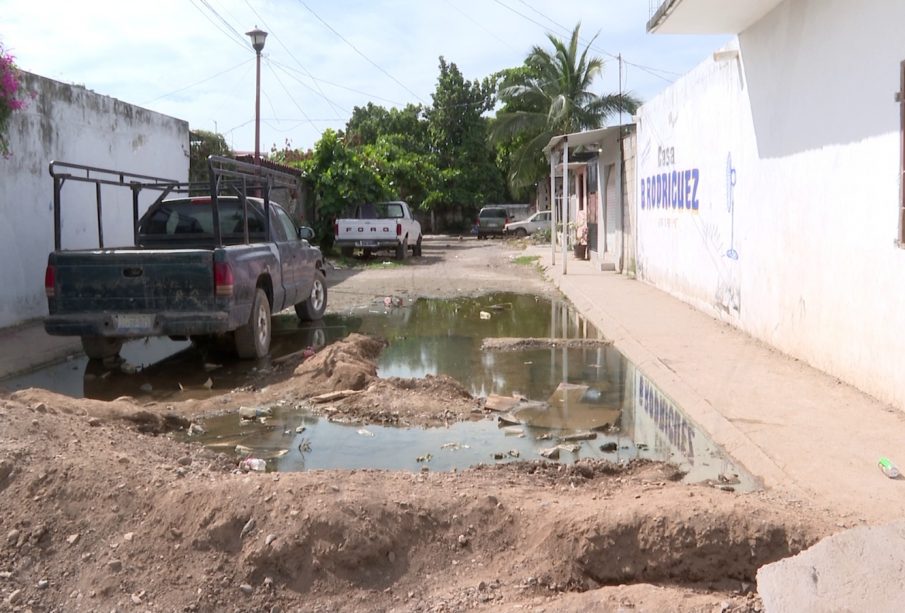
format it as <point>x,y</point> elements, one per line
<point>857,570</point>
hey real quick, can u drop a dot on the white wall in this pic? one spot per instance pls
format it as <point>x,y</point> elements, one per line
<point>72,124</point>
<point>795,147</point>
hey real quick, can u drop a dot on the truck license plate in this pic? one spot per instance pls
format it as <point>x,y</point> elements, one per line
<point>365,243</point>
<point>139,321</point>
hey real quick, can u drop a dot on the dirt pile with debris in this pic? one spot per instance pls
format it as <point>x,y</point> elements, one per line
<point>102,508</point>
<point>341,382</point>
<point>95,515</point>
<point>350,364</point>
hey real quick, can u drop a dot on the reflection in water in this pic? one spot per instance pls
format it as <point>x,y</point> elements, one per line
<point>161,369</point>
<point>568,390</point>
<point>578,389</point>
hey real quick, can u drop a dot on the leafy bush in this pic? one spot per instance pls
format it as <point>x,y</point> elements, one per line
<point>10,96</point>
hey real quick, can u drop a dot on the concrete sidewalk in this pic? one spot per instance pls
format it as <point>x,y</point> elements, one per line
<point>798,429</point>
<point>27,346</point>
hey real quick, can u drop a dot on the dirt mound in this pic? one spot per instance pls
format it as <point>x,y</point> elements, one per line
<point>95,515</point>
<point>341,381</point>
<point>348,364</point>
<point>145,419</point>
<point>431,401</point>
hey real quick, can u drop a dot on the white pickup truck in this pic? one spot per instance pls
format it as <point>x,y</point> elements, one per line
<point>379,226</point>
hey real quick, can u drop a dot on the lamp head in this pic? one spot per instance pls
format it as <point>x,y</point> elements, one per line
<point>257,37</point>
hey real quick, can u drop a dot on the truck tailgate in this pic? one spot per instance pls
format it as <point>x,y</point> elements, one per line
<point>366,229</point>
<point>134,280</point>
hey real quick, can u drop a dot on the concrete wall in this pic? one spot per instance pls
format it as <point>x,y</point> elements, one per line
<point>768,188</point>
<point>72,124</point>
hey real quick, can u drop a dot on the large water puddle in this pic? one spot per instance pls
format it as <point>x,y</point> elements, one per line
<point>616,414</point>
<point>585,402</point>
<point>590,394</point>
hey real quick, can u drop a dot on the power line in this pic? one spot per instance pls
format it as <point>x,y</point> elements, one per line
<point>479,24</point>
<point>354,48</point>
<point>319,91</point>
<point>219,27</point>
<point>294,101</point>
<point>648,69</point>
<point>239,36</point>
<point>557,24</point>
<point>287,69</point>
<point>214,23</point>
<point>181,89</point>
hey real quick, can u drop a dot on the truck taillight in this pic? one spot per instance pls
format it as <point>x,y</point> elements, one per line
<point>50,277</point>
<point>336,229</point>
<point>506,220</point>
<point>223,279</point>
<point>398,229</point>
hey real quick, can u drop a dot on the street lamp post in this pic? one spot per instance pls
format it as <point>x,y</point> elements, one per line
<point>257,43</point>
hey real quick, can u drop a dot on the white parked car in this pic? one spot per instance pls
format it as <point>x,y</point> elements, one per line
<point>538,221</point>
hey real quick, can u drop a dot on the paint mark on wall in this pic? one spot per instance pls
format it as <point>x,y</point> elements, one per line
<point>730,205</point>
<point>677,190</point>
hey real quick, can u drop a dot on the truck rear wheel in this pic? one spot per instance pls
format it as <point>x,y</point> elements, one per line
<point>253,339</point>
<point>314,306</point>
<point>402,249</point>
<point>100,347</point>
<point>417,250</point>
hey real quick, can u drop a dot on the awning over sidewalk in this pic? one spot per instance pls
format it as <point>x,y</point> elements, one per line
<point>585,139</point>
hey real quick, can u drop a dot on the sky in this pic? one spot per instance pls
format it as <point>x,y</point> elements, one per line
<point>191,59</point>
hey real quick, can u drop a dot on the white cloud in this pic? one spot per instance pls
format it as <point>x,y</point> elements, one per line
<point>143,53</point>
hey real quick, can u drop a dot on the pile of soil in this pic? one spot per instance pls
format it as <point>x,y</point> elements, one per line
<point>102,508</point>
<point>96,515</point>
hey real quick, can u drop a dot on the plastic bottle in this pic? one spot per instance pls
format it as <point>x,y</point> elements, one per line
<point>889,469</point>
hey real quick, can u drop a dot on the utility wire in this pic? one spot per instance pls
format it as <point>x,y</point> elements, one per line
<point>319,91</point>
<point>359,52</point>
<point>182,89</point>
<point>241,43</point>
<point>294,101</point>
<point>479,24</point>
<point>236,33</point>
<point>289,69</point>
<point>648,69</point>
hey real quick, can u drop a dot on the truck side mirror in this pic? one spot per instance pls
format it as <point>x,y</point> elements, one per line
<point>306,233</point>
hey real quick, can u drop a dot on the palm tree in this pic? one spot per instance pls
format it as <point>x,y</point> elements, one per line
<point>551,94</point>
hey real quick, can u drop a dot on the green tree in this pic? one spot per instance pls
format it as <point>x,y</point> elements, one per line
<point>468,175</point>
<point>551,94</point>
<point>396,142</point>
<point>372,121</point>
<point>202,144</point>
<point>341,177</point>
<point>408,175</point>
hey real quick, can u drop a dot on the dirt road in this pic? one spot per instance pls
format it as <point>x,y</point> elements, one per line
<point>102,509</point>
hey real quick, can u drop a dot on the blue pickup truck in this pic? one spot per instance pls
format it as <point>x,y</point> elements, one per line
<point>204,267</point>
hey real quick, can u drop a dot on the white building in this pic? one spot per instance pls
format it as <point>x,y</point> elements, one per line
<point>72,124</point>
<point>769,188</point>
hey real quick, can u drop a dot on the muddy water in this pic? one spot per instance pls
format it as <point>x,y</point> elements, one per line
<point>617,406</point>
<point>585,391</point>
<point>570,391</point>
